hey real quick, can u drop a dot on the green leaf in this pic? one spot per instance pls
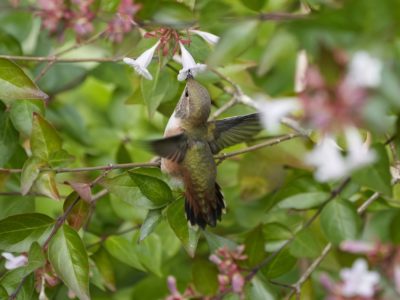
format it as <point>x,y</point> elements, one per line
<point>123,250</point>
<point>305,245</point>
<point>254,4</point>
<point>153,218</point>
<point>15,84</point>
<point>188,235</point>
<point>15,205</point>
<point>127,190</point>
<point>67,255</point>
<point>60,158</point>
<point>161,88</point>
<point>45,184</point>
<point>174,15</point>
<point>103,262</point>
<point>17,233</point>
<point>45,140</point>
<point>12,279</point>
<point>149,253</point>
<point>21,114</point>
<point>79,213</point>
<point>258,289</point>
<point>9,44</point>
<point>154,189</point>
<point>394,228</point>
<point>282,263</point>
<point>205,276</point>
<point>3,293</point>
<point>235,41</point>
<point>377,176</point>
<point>215,241</point>
<point>255,246</point>
<point>340,221</point>
<point>30,173</point>
<point>8,138</point>
<point>36,258</point>
<point>304,200</point>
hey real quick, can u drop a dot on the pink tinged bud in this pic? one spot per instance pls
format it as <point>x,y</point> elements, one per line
<point>208,37</point>
<point>223,280</point>
<point>13,262</point>
<point>327,283</point>
<point>357,247</point>
<point>215,259</point>
<point>396,277</point>
<point>171,282</point>
<point>237,283</point>
<point>142,62</point>
<point>189,65</point>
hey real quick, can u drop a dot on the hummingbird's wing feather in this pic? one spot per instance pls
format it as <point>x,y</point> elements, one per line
<point>231,131</point>
<point>173,147</point>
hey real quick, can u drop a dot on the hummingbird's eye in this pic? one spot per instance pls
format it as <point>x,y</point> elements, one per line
<point>186,93</point>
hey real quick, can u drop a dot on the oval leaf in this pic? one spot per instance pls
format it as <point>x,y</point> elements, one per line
<point>69,258</point>
<point>187,234</point>
<point>340,221</point>
<point>45,140</point>
<point>15,84</point>
<point>17,233</point>
<point>154,189</point>
<point>124,251</point>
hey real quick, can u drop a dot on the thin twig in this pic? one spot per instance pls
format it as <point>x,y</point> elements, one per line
<point>221,157</point>
<point>62,59</point>
<point>88,169</point>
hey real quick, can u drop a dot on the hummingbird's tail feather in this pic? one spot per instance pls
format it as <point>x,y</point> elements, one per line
<point>204,212</point>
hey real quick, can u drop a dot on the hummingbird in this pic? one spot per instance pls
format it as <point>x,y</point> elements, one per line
<point>189,144</point>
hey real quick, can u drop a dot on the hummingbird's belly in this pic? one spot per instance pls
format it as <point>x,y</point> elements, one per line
<point>198,167</point>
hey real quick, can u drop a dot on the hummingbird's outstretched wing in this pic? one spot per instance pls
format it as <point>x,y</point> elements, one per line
<point>231,131</point>
<point>173,147</point>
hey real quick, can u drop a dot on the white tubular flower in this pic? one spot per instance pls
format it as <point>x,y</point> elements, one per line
<point>273,111</point>
<point>42,294</point>
<point>364,70</point>
<point>358,281</point>
<point>328,160</point>
<point>359,154</point>
<point>301,68</point>
<point>208,37</point>
<point>190,67</point>
<point>142,62</point>
<point>13,262</point>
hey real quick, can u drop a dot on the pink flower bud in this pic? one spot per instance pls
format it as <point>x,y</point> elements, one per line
<point>237,282</point>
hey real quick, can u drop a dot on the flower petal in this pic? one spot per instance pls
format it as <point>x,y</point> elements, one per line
<point>208,37</point>
<point>190,67</point>
<point>141,63</point>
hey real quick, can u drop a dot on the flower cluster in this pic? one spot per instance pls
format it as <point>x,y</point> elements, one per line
<point>230,277</point>
<point>78,15</point>
<point>230,274</point>
<point>333,107</point>
<point>189,66</point>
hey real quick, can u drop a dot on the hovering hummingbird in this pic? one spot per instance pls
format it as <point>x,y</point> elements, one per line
<point>188,146</point>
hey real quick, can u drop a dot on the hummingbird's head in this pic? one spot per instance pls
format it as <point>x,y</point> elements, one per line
<point>195,103</point>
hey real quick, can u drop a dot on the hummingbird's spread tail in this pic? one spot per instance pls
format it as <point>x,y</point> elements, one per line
<point>206,211</point>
